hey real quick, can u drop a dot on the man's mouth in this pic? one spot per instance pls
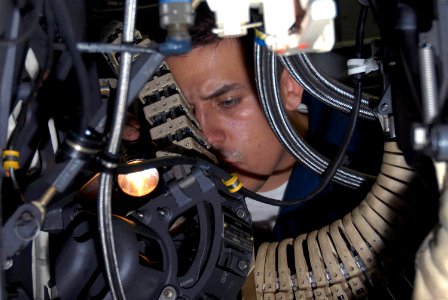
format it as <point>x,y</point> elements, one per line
<point>229,159</point>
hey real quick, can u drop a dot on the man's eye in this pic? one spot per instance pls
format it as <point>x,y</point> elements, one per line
<point>229,102</point>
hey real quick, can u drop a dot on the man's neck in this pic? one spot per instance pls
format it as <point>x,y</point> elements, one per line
<point>279,177</point>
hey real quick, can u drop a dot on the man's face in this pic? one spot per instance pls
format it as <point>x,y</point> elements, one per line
<point>217,85</point>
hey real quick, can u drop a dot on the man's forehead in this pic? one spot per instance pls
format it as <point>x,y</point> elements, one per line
<point>224,44</point>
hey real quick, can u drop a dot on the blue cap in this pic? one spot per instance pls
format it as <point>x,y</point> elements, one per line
<point>175,46</point>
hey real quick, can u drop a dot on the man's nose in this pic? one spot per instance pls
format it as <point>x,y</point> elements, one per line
<point>211,127</point>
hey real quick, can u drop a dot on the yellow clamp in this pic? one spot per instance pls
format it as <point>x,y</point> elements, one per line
<point>10,159</point>
<point>233,183</point>
<point>259,34</point>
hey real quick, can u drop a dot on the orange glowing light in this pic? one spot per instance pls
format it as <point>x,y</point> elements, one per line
<point>138,184</point>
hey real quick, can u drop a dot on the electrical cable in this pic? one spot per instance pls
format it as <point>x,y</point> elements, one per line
<point>266,80</point>
<point>41,77</point>
<point>325,89</point>
<point>166,162</point>
<point>113,147</point>
<point>17,138</point>
<point>102,48</point>
<point>63,19</point>
<point>8,58</point>
<point>24,36</point>
<point>13,177</point>
<point>359,42</point>
<point>329,172</point>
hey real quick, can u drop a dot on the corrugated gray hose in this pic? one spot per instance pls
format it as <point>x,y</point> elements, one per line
<point>267,85</point>
<point>339,260</point>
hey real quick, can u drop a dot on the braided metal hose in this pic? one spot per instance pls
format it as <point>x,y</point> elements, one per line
<point>339,260</point>
<point>267,86</point>
<point>324,88</point>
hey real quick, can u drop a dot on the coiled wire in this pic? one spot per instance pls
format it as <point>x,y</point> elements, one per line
<point>325,89</point>
<point>267,85</point>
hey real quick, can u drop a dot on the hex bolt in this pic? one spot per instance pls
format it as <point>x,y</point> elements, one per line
<point>168,293</point>
<point>140,214</point>
<point>241,213</point>
<point>7,264</point>
<point>163,212</point>
<point>26,216</point>
<point>242,265</point>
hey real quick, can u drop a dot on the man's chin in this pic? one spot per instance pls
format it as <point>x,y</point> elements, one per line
<point>230,166</point>
<point>250,180</point>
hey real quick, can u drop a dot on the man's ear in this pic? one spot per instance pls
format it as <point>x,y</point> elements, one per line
<point>290,91</point>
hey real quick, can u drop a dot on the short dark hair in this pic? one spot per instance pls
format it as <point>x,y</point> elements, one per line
<point>201,31</point>
<point>202,35</point>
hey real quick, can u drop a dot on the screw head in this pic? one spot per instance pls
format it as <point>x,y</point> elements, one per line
<point>140,214</point>
<point>163,212</point>
<point>26,216</point>
<point>7,264</point>
<point>241,213</point>
<point>168,293</point>
<point>242,265</point>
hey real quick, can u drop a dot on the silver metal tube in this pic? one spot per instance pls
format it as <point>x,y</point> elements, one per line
<point>319,162</point>
<point>323,88</point>
<point>104,48</point>
<point>332,84</point>
<point>106,179</point>
<point>267,84</point>
<point>429,83</point>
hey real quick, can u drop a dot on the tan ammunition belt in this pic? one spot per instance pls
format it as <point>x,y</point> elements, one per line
<point>343,256</point>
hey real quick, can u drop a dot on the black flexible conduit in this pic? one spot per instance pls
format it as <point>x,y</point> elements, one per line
<point>63,19</point>
<point>41,77</point>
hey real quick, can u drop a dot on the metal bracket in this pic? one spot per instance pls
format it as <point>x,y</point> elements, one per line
<point>361,65</point>
<point>384,113</point>
<point>21,228</point>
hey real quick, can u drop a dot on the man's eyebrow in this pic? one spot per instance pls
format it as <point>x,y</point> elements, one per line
<point>223,89</point>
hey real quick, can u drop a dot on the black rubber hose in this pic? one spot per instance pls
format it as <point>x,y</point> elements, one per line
<point>65,25</point>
